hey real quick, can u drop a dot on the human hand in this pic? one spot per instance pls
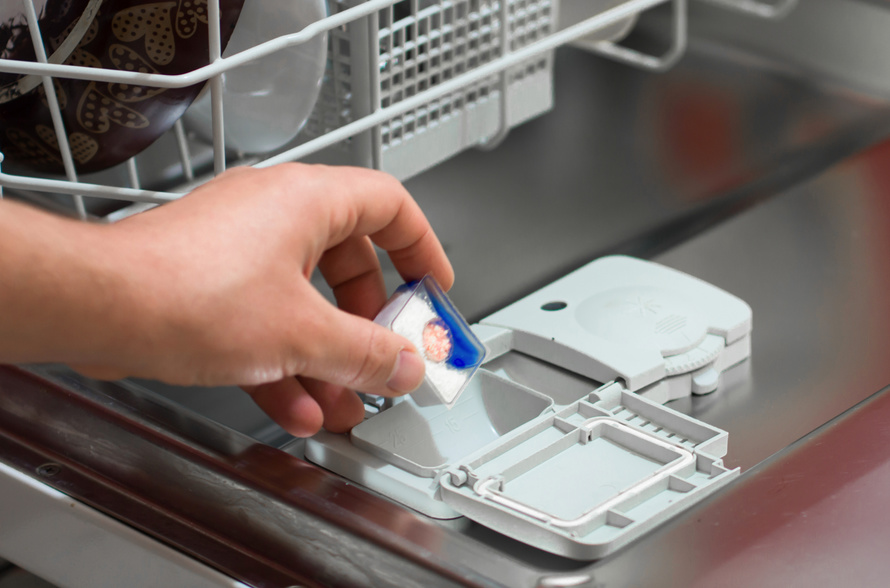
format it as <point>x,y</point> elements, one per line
<point>218,291</point>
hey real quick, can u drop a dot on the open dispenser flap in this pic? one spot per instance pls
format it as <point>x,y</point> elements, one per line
<point>633,320</point>
<point>424,439</point>
<point>402,451</point>
<point>586,480</point>
<point>538,447</point>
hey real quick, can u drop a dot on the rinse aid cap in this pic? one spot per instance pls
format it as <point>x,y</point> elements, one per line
<point>629,319</point>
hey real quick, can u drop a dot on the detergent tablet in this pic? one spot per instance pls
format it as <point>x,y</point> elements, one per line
<point>421,312</point>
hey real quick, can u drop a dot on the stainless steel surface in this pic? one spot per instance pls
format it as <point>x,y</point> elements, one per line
<point>812,515</point>
<point>814,265</point>
<point>252,512</point>
<point>636,162</point>
<point>732,167</point>
<point>40,526</point>
<point>796,523</point>
<point>833,41</point>
<point>19,578</point>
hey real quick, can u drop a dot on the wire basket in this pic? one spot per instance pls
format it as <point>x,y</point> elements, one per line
<point>414,46</point>
<point>409,84</point>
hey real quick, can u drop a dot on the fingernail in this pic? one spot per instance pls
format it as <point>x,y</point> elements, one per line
<point>407,374</point>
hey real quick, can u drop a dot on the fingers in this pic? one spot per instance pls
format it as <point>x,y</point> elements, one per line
<point>375,204</point>
<point>342,408</point>
<point>323,206</point>
<point>353,271</point>
<point>302,406</point>
<point>289,404</point>
<point>417,255</point>
<point>351,351</point>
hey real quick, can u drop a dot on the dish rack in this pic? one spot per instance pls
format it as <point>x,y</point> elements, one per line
<point>409,84</point>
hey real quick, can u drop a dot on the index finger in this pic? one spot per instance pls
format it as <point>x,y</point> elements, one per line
<point>372,203</point>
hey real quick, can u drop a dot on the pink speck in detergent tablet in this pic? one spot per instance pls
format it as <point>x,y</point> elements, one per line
<point>436,341</point>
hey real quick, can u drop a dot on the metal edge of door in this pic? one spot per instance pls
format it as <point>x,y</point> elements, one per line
<point>247,510</point>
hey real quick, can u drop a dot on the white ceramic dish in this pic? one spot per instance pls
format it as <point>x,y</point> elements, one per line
<point>267,102</point>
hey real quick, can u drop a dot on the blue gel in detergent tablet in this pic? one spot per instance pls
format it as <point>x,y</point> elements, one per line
<point>423,313</point>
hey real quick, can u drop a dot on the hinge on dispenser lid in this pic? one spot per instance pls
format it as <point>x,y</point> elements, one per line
<point>464,474</point>
<point>609,394</point>
<point>489,484</point>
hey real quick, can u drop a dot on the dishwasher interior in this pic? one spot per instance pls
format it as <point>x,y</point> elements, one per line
<point>729,140</point>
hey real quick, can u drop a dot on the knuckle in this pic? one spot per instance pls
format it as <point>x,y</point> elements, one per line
<point>292,173</point>
<point>390,182</point>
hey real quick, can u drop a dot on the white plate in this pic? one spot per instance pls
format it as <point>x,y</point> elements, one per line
<point>267,102</point>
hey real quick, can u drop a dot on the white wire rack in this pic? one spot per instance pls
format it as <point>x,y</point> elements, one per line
<point>403,92</point>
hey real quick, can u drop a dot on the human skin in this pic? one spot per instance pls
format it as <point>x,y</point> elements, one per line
<point>214,289</point>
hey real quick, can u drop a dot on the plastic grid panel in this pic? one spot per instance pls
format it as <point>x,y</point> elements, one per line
<point>424,44</point>
<point>434,45</point>
<point>529,22</point>
<point>335,99</point>
<point>421,44</point>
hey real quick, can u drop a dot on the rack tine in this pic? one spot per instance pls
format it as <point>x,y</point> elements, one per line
<point>216,89</point>
<point>679,31</point>
<point>503,83</point>
<point>133,173</point>
<point>185,156</point>
<point>53,102</point>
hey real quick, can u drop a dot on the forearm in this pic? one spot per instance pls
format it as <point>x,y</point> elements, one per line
<point>214,289</point>
<point>63,297</point>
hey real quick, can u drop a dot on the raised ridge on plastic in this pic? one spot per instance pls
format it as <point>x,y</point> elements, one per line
<point>587,480</point>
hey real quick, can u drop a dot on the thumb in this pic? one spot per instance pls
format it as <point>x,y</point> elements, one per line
<point>359,354</point>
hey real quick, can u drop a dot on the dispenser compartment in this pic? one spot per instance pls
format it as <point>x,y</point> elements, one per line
<point>538,447</point>
<point>423,439</point>
<point>661,332</point>
<point>592,477</point>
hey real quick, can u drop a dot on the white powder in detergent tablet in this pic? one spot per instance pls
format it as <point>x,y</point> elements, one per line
<point>419,323</point>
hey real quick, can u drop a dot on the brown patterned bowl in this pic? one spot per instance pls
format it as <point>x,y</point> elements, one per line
<point>106,123</point>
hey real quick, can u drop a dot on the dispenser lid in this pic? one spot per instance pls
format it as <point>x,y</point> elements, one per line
<point>621,317</point>
<point>589,479</point>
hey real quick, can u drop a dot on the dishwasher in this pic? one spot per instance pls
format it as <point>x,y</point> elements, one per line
<point>669,225</point>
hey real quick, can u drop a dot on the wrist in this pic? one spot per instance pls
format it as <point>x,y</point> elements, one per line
<point>127,313</point>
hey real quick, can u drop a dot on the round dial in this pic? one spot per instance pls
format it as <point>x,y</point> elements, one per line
<point>639,316</point>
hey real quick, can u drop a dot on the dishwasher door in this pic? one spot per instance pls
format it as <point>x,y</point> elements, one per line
<point>753,164</point>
